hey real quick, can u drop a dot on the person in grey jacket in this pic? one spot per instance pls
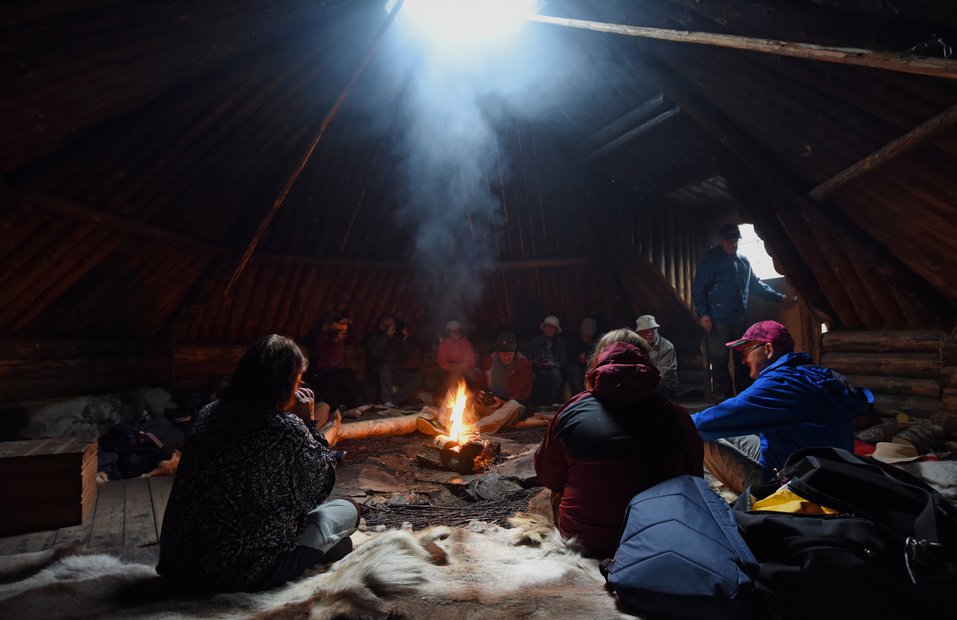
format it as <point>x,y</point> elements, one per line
<point>662,354</point>
<point>720,291</point>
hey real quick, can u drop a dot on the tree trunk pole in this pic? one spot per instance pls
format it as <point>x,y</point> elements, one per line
<point>271,213</point>
<point>920,65</point>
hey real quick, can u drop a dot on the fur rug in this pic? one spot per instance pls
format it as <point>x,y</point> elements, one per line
<point>476,572</point>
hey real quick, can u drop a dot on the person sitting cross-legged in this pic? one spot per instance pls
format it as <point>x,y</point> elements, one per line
<point>507,383</point>
<point>549,354</point>
<point>249,506</point>
<point>387,349</point>
<point>792,404</point>
<point>455,357</point>
<point>504,388</point>
<point>336,383</point>
<point>662,354</point>
<point>612,441</point>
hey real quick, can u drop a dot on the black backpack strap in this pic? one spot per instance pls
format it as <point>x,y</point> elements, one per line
<point>603,567</point>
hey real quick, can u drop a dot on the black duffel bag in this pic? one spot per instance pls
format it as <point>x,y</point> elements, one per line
<point>891,552</point>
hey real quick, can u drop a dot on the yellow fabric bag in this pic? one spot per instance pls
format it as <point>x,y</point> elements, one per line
<point>786,500</point>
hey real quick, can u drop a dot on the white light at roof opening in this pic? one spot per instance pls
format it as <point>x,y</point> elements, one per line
<point>464,21</point>
<point>752,247</point>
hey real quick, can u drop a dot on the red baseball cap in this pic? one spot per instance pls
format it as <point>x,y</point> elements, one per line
<point>765,331</point>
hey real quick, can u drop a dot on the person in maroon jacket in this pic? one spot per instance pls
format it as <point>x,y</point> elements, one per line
<point>612,441</point>
<point>507,383</point>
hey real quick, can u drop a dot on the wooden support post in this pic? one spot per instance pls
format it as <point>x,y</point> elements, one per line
<point>277,203</point>
<point>920,65</point>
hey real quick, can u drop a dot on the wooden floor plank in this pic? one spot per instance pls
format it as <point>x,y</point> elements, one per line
<point>27,543</point>
<point>75,534</point>
<point>107,530</point>
<point>138,526</point>
<point>159,492</point>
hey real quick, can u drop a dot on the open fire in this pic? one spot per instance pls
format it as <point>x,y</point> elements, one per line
<point>459,449</point>
<point>458,430</point>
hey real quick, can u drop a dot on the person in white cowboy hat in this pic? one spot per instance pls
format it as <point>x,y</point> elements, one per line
<point>549,352</point>
<point>662,354</point>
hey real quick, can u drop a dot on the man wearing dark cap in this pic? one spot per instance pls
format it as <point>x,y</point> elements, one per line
<point>792,404</point>
<point>720,290</point>
<point>508,376</point>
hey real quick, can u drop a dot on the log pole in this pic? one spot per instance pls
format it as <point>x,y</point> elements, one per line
<point>399,425</point>
<point>920,65</point>
<point>914,138</point>
<point>277,203</point>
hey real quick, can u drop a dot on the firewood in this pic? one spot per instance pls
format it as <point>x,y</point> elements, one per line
<point>922,436</point>
<point>400,425</point>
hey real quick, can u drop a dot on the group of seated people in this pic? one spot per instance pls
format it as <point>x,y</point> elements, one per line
<point>554,362</point>
<point>250,508</point>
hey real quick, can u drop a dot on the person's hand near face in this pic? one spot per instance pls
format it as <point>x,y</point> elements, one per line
<point>304,404</point>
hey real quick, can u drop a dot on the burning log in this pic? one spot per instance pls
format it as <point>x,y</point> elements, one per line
<point>458,450</point>
<point>468,458</point>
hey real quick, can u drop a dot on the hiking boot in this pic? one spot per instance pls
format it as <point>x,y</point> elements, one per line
<point>428,427</point>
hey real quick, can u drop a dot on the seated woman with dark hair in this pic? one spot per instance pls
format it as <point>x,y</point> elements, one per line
<point>612,441</point>
<point>246,510</point>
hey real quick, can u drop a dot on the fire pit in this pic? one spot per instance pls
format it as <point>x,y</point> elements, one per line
<point>461,450</point>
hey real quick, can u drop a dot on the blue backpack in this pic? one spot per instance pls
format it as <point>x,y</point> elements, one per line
<point>681,556</point>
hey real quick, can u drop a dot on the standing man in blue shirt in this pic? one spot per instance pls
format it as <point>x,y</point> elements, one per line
<point>720,290</point>
<point>792,404</point>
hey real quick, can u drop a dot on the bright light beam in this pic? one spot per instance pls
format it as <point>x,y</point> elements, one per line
<point>465,21</point>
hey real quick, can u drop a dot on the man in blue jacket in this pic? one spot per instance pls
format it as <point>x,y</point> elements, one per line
<point>792,404</point>
<point>722,284</point>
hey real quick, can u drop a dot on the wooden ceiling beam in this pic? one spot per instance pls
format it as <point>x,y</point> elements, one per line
<point>684,177</point>
<point>919,65</point>
<point>918,136</point>
<point>557,262</point>
<point>117,222</point>
<point>622,124</point>
<point>737,147</point>
<point>645,128</point>
<point>809,240</point>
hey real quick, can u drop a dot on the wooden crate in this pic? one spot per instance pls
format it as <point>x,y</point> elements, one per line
<point>46,484</point>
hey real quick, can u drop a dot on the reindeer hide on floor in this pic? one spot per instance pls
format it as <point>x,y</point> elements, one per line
<point>480,571</point>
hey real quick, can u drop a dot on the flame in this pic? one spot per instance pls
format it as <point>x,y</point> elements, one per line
<point>457,419</point>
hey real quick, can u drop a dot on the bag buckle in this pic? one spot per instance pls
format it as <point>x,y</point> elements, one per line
<point>925,562</point>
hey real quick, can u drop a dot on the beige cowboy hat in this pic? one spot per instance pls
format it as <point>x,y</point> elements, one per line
<point>888,452</point>
<point>550,320</point>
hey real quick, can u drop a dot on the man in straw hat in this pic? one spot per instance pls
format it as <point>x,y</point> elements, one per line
<point>662,354</point>
<point>792,404</point>
<point>549,353</point>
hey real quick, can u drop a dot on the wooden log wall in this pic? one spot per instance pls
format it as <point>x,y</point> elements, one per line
<point>41,369</point>
<point>910,372</point>
<point>673,239</point>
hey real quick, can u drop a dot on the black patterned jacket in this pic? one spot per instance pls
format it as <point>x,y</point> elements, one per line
<point>246,480</point>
